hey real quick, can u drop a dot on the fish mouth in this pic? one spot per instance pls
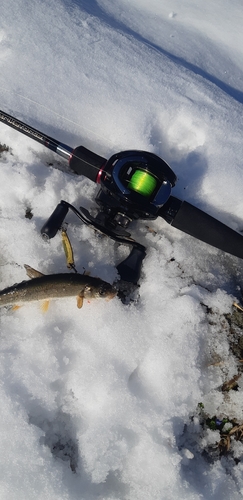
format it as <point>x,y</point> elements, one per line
<point>111,295</point>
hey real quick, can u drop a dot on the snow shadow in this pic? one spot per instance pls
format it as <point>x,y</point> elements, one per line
<point>92,8</point>
<point>207,473</point>
<point>58,430</point>
<point>190,170</point>
<point>59,436</point>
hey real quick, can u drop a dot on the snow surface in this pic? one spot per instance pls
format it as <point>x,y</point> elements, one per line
<point>98,403</point>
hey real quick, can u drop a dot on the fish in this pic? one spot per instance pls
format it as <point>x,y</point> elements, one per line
<point>45,287</point>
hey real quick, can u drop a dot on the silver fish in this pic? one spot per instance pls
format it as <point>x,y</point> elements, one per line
<point>43,287</point>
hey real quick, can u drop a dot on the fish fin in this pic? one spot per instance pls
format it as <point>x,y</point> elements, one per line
<point>45,305</point>
<point>80,300</point>
<point>32,273</point>
<point>15,307</point>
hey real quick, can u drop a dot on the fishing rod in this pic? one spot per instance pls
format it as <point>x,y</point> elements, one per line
<point>133,185</point>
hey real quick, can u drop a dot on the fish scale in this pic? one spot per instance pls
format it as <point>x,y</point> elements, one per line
<point>46,287</point>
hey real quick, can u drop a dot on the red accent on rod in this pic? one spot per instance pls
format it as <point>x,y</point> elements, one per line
<point>99,175</point>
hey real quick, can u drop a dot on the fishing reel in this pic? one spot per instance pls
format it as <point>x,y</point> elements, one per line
<point>133,185</point>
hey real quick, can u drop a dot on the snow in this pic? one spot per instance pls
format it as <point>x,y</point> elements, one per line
<point>98,403</point>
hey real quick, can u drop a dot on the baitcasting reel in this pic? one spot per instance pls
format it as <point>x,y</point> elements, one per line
<point>133,185</point>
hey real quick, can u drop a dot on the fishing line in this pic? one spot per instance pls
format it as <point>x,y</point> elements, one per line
<point>64,118</point>
<point>141,180</point>
<point>55,113</point>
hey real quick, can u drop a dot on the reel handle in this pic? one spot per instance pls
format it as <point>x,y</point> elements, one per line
<point>130,268</point>
<point>50,228</point>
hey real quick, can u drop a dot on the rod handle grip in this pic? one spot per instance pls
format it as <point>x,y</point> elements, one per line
<point>86,162</point>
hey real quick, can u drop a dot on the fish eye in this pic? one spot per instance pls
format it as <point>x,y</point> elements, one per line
<point>102,290</point>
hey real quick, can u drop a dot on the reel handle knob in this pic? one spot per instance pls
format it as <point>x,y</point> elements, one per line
<point>50,228</point>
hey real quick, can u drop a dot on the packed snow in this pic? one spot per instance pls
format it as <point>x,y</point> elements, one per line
<point>111,401</point>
